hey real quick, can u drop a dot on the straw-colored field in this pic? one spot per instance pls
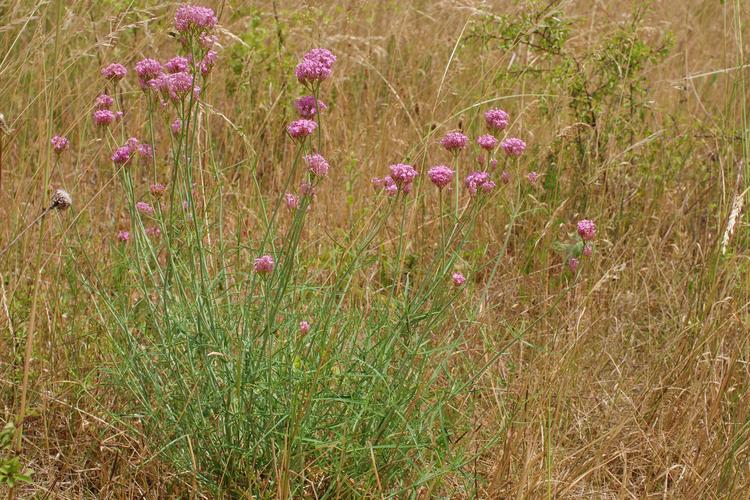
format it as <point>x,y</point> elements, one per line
<point>145,351</point>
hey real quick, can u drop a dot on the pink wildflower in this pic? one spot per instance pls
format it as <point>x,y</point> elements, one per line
<point>59,144</point>
<point>176,126</point>
<point>513,146</point>
<point>121,155</point>
<point>317,164</point>
<point>264,265</point>
<point>458,279</point>
<point>487,142</point>
<point>291,200</point>
<point>496,119</point>
<point>478,180</point>
<point>144,208</point>
<point>146,151</point>
<point>157,190</point>
<point>147,70</point>
<point>153,231</point>
<point>402,174</point>
<point>304,327</point>
<point>192,18</point>
<point>454,141</point>
<point>306,106</point>
<point>533,177</point>
<point>208,62</point>
<point>114,72</point>
<point>177,64</point>
<point>573,264</point>
<point>588,249</point>
<point>440,175</point>
<point>103,117</point>
<point>299,129</point>
<point>315,66</point>
<point>123,236</point>
<point>586,229</point>
<point>104,102</point>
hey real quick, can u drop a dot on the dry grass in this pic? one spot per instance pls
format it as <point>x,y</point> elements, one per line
<point>632,385</point>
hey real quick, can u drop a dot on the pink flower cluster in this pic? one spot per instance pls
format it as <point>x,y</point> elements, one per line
<point>144,208</point>
<point>496,119</point>
<point>157,190</point>
<point>114,72</point>
<point>123,236</point>
<point>59,144</point>
<point>147,69</point>
<point>178,64</point>
<point>315,66</point>
<point>299,129</point>
<point>105,117</point>
<point>317,165</point>
<point>487,141</point>
<point>264,265</point>
<point>192,18</point>
<point>104,101</point>
<point>586,229</point>
<point>291,201</point>
<point>440,175</point>
<point>477,181</point>
<point>458,279</point>
<point>513,146</point>
<point>454,141</point>
<point>304,327</point>
<point>307,108</point>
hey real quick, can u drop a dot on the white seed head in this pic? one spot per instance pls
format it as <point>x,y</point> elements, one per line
<point>4,129</point>
<point>61,200</point>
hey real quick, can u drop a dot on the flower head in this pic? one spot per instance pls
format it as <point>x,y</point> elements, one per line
<point>146,151</point>
<point>192,18</point>
<point>454,141</point>
<point>573,264</point>
<point>103,117</point>
<point>299,129</point>
<point>588,249</point>
<point>153,231</point>
<point>478,180</point>
<point>513,146</point>
<point>496,119</point>
<point>291,200</point>
<point>586,229</point>
<point>157,190</point>
<point>208,62</point>
<point>147,69</point>
<point>458,279</point>
<point>402,174</point>
<point>179,85</point>
<point>114,72</point>
<point>306,188</point>
<point>307,108</point>
<point>123,236</point>
<point>121,155</point>
<point>177,64</point>
<point>61,200</point>
<point>389,186</point>
<point>315,66</point>
<point>440,175</point>
<point>533,177</point>
<point>304,327</point>
<point>317,165</point>
<point>176,126</point>
<point>487,141</point>
<point>264,264</point>
<point>104,102</point>
<point>144,208</point>
<point>59,143</point>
